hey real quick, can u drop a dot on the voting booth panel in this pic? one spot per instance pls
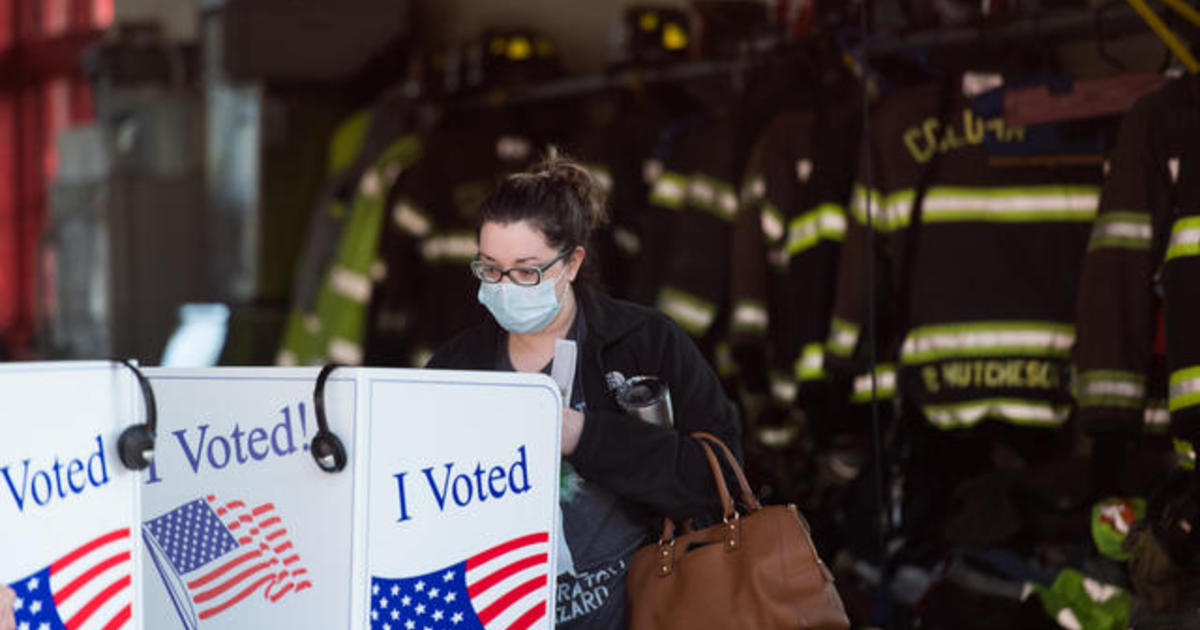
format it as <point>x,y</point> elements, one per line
<point>462,494</point>
<point>443,518</point>
<point>241,528</point>
<point>69,509</point>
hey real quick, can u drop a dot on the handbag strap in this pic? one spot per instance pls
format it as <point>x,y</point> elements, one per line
<point>728,511</point>
<point>747,498</point>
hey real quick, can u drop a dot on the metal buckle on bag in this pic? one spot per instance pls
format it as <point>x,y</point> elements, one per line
<point>733,538</point>
<point>666,557</point>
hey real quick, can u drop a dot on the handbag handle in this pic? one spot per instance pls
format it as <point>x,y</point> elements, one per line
<point>747,497</point>
<point>728,511</point>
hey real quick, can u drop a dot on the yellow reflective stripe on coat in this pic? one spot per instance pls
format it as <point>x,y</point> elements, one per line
<point>1185,454</point>
<point>1023,204</point>
<point>810,365</point>
<point>772,223</point>
<point>669,190</point>
<point>843,337</point>
<point>693,314</point>
<point>884,385</point>
<point>825,222</point>
<point>953,204</point>
<point>410,219</point>
<point>1156,418</point>
<point>1112,388</point>
<point>1012,410</point>
<point>1121,230</point>
<point>455,247</point>
<point>783,389</point>
<point>750,316</point>
<point>713,196</point>
<point>1185,388</point>
<point>987,339</point>
<point>887,213</point>
<point>1185,239</point>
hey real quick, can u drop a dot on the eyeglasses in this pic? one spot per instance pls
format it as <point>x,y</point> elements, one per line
<point>524,276</point>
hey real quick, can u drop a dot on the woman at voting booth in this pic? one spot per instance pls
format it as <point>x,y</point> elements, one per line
<point>621,473</point>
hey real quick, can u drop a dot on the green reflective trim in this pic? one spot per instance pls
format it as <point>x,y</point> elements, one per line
<point>1120,402</point>
<point>1091,376</point>
<point>754,188</point>
<point>1185,239</point>
<point>825,222</point>
<point>693,314</point>
<point>1185,454</point>
<point>889,212</point>
<point>1157,418</point>
<point>987,339</point>
<point>750,316</point>
<point>1121,230</point>
<point>1112,388</point>
<point>1185,388</point>
<point>669,190</point>
<point>772,223</point>
<point>1010,204</point>
<point>723,357</point>
<point>843,337</point>
<point>810,365</point>
<point>348,140</point>
<point>885,384</point>
<point>712,195</point>
<point>1035,413</point>
<point>783,389</point>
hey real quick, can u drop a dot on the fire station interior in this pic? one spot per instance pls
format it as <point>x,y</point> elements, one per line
<point>943,255</point>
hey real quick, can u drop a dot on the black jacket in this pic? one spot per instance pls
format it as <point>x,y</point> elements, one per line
<point>660,468</point>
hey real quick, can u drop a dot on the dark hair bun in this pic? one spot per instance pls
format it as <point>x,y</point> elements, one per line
<point>565,172</point>
<point>558,196</point>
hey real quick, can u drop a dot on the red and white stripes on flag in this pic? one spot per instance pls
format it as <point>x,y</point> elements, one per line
<point>507,583</point>
<point>266,559</point>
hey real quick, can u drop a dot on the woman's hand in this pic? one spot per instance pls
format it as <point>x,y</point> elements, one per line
<point>572,428</point>
<point>8,620</point>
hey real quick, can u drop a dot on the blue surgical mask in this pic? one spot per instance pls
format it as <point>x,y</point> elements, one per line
<point>520,309</point>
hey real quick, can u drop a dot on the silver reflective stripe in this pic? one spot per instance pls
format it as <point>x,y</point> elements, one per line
<point>885,384</point>
<point>750,315</point>
<point>1012,410</point>
<point>1124,389</point>
<point>1185,238</point>
<point>669,190</point>
<point>1157,416</point>
<point>349,284</point>
<point>411,220</point>
<point>952,205</point>
<point>987,338</point>
<point>627,240</point>
<point>450,247</point>
<point>1125,229</point>
<point>701,192</point>
<point>811,364</point>
<point>691,313</point>
<point>369,185</point>
<point>783,389</point>
<point>772,223</point>
<point>345,351</point>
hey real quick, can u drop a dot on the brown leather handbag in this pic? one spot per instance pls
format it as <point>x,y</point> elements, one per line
<point>757,570</point>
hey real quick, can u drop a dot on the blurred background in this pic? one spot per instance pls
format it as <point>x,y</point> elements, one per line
<point>294,182</point>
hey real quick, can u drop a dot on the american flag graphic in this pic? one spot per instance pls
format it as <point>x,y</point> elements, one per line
<point>502,588</point>
<point>212,555</point>
<point>89,588</point>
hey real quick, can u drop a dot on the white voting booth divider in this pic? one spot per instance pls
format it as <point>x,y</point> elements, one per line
<point>69,510</point>
<point>443,518</point>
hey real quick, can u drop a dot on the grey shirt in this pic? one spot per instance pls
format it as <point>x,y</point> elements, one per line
<point>602,531</point>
